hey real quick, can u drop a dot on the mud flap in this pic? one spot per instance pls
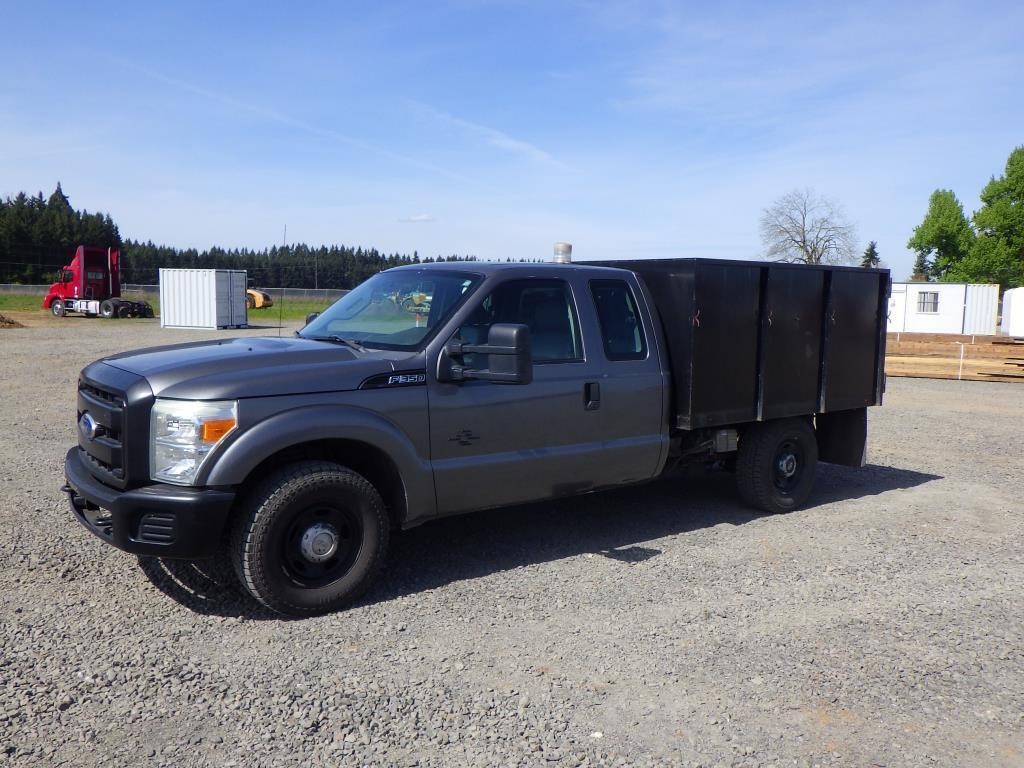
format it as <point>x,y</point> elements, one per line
<point>843,437</point>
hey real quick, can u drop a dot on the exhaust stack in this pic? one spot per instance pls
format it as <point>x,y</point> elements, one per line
<point>563,253</point>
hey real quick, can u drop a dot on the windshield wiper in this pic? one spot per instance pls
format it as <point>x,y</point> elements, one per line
<point>339,340</point>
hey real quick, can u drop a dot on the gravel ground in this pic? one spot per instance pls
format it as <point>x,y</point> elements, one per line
<point>661,625</point>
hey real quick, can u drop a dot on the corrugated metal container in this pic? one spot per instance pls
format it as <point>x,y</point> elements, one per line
<point>1013,312</point>
<point>203,298</point>
<point>981,306</point>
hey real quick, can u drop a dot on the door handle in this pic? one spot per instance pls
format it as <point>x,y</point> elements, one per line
<point>591,396</point>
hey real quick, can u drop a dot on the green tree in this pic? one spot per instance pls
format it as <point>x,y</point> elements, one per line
<point>944,238</point>
<point>870,259</point>
<point>998,253</point>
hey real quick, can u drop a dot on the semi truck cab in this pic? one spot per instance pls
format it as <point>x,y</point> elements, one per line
<point>91,285</point>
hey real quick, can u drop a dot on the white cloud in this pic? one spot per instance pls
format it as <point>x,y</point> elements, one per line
<point>492,136</point>
<point>419,218</point>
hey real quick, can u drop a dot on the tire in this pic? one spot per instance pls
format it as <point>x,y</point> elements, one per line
<point>283,527</point>
<point>775,465</point>
<point>57,308</point>
<point>147,311</point>
<point>124,310</point>
<point>107,309</point>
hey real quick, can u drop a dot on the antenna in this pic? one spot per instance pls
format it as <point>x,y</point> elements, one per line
<point>280,304</point>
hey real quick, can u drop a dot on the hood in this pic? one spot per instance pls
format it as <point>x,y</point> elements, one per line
<point>229,369</point>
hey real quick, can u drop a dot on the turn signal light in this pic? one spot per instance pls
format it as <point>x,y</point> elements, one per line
<point>215,429</point>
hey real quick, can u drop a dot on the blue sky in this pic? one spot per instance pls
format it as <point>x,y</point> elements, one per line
<point>633,129</point>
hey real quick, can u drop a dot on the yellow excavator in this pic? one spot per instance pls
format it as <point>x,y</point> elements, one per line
<point>257,299</point>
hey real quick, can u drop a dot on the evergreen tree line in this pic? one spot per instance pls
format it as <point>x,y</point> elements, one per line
<point>292,266</point>
<point>38,236</point>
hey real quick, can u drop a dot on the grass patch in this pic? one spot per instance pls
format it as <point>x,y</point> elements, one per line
<point>21,301</point>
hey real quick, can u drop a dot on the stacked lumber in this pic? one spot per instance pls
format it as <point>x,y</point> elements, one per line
<point>938,356</point>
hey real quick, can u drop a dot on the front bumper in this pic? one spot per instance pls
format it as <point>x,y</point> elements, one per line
<point>158,519</point>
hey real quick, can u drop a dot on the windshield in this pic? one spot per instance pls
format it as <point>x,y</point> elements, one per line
<point>394,310</point>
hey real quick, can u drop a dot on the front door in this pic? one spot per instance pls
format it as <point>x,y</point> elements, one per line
<point>494,444</point>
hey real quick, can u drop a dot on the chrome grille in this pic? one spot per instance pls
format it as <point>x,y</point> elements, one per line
<point>103,452</point>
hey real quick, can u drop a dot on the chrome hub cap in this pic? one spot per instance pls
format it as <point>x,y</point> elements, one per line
<point>787,465</point>
<point>319,542</point>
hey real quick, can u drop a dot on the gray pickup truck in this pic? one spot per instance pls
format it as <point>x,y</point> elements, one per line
<point>496,384</point>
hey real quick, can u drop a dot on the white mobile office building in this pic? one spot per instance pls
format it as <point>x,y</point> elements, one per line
<point>943,308</point>
<point>202,298</point>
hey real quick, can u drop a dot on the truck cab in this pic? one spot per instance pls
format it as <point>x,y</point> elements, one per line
<point>91,285</point>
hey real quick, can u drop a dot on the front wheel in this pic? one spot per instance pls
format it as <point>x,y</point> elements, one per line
<point>775,465</point>
<point>310,539</point>
<point>57,308</point>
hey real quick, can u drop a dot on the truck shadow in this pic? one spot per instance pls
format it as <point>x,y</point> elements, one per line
<point>614,524</point>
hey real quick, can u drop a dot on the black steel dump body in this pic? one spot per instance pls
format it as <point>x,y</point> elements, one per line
<point>751,341</point>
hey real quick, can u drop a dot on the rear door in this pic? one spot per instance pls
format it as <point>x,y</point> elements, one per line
<point>632,412</point>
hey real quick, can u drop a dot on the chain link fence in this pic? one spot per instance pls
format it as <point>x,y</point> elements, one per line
<point>321,295</point>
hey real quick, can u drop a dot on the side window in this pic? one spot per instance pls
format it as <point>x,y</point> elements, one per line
<point>621,331</point>
<point>544,306</point>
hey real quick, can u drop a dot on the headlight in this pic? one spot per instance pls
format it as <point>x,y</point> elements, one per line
<point>183,432</point>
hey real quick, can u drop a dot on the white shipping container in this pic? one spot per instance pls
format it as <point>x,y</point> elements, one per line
<point>981,309</point>
<point>1013,312</point>
<point>203,298</point>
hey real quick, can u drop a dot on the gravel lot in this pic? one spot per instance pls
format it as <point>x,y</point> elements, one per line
<point>661,625</point>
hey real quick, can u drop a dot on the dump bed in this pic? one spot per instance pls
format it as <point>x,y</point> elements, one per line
<point>750,341</point>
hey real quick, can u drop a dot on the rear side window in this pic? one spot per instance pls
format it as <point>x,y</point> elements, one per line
<point>621,332</point>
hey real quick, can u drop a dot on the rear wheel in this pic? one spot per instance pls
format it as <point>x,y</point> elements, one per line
<point>124,310</point>
<point>775,465</point>
<point>310,539</point>
<point>107,309</point>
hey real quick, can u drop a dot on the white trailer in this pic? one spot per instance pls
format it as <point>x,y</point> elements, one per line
<point>963,308</point>
<point>203,298</point>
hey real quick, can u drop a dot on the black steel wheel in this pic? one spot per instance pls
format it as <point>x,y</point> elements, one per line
<point>310,539</point>
<point>124,310</point>
<point>57,308</point>
<point>107,309</point>
<point>776,463</point>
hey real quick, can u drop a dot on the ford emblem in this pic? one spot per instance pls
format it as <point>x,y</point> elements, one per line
<point>88,427</point>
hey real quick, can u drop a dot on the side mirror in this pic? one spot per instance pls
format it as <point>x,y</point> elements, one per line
<point>508,354</point>
<point>311,317</point>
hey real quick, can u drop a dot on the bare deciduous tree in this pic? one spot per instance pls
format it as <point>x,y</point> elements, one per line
<point>803,227</point>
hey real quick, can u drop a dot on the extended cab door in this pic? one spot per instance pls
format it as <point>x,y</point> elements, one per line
<point>633,417</point>
<point>567,431</point>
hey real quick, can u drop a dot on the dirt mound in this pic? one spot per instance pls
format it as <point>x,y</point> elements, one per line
<point>6,322</point>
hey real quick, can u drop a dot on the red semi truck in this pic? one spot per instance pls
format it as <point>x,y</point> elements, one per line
<point>91,285</point>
